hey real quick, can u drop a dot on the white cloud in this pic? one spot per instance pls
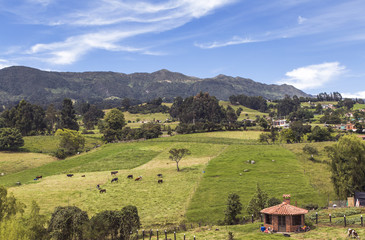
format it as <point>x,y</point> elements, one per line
<point>117,21</point>
<point>313,76</point>
<point>4,63</point>
<point>234,41</point>
<point>360,94</point>
<point>301,19</point>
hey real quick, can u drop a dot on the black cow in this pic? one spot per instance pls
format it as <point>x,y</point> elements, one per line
<point>160,181</point>
<point>159,175</point>
<point>114,180</point>
<point>102,190</point>
<point>130,176</point>
<point>70,175</point>
<point>82,175</point>
<point>114,172</point>
<point>352,233</point>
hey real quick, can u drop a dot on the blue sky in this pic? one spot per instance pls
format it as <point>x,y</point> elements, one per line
<point>313,45</point>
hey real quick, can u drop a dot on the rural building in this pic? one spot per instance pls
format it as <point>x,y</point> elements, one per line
<point>284,217</point>
<point>350,127</point>
<point>280,123</point>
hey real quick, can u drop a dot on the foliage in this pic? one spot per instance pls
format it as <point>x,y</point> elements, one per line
<point>112,127</point>
<point>311,150</point>
<point>129,221</point>
<point>288,105</point>
<point>200,108</point>
<point>105,224</point>
<point>10,139</point>
<point>230,236</point>
<point>335,96</point>
<point>301,114</point>
<point>9,206</point>
<point>273,201</point>
<point>68,115</point>
<point>348,165</point>
<point>28,118</point>
<point>92,116</point>
<point>71,141</point>
<point>51,118</point>
<point>319,134</point>
<point>257,103</point>
<point>153,106</point>
<point>234,207</point>
<point>68,223</point>
<point>257,202</point>
<point>177,154</point>
<point>299,130</point>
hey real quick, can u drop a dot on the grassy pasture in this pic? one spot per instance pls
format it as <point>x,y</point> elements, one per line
<point>283,176</point>
<point>251,113</point>
<point>11,162</point>
<point>161,204</point>
<point>358,106</point>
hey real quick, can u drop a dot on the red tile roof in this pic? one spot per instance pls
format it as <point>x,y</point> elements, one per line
<point>284,209</point>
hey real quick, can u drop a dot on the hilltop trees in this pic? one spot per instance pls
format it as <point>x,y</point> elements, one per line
<point>348,165</point>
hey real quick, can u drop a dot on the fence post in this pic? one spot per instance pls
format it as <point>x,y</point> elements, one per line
<point>165,235</point>
<point>194,237</point>
<point>150,234</point>
<point>316,217</point>
<point>184,236</point>
<point>174,235</point>
<point>143,234</point>
<point>252,218</point>
<point>157,234</point>
<point>344,218</point>
<point>330,218</point>
<point>362,223</point>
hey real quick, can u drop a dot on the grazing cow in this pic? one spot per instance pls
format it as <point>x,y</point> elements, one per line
<point>102,190</point>
<point>352,233</point>
<point>38,177</point>
<point>130,176</point>
<point>114,180</point>
<point>82,175</point>
<point>160,181</point>
<point>159,175</point>
<point>69,175</point>
<point>139,178</point>
<point>114,172</point>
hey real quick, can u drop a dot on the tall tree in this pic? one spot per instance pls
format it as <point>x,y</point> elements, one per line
<point>51,118</point>
<point>257,202</point>
<point>68,115</point>
<point>113,124</point>
<point>348,165</point>
<point>10,139</point>
<point>234,207</point>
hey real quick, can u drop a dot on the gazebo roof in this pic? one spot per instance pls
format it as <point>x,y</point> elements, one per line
<point>284,209</point>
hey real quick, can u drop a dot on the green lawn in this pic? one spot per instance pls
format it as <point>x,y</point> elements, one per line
<point>283,176</point>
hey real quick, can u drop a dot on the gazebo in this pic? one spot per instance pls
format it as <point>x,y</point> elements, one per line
<point>284,217</point>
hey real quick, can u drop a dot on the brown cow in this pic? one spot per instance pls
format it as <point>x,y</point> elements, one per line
<point>38,177</point>
<point>102,190</point>
<point>139,178</point>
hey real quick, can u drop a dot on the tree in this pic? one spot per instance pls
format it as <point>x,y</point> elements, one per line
<point>36,223</point>
<point>71,141</point>
<point>177,154</point>
<point>114,122</point>
<point>264,137</point>
<point>257,202</point>
<point>68,223</point>
<point>51,118</point>
<point>311,150</point>
<point>319,134</point>
<point>92,116</point>
<point>348,165</point>
<point>234,208</point>
<point>10,139</point>
<point>106,224</point>
<point>9,206</point>
<point>273,201</point>
<point>129,221</point>
<point>68,115</point>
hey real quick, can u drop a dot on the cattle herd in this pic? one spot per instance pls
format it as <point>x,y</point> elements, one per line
<point>114,179</point>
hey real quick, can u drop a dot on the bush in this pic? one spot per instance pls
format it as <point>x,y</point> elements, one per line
<point>60,153</point>
<point>310,206</point>
<point>10,139</point>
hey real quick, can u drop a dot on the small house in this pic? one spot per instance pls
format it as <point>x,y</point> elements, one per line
<point>284,217</point>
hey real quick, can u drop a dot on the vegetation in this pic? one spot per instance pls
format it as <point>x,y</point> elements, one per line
<point>234,207</point>
<point>10,139</point>
<point>71,142</point>
<point>177,154</point>
<point>348,165</point>
<point>68,116</point>
<point>257,202</point>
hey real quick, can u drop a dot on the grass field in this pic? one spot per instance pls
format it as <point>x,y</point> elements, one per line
<point>188,195</point>
<point>284,175</point>
<point>247,113</point>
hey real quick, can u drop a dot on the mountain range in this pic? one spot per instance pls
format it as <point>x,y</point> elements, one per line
<point>43,87</point>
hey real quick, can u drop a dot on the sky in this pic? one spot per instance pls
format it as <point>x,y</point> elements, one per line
<point>316,46</point>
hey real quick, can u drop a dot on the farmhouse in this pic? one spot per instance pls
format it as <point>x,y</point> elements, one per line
<point>280,123</point>
<point>284,217</point>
